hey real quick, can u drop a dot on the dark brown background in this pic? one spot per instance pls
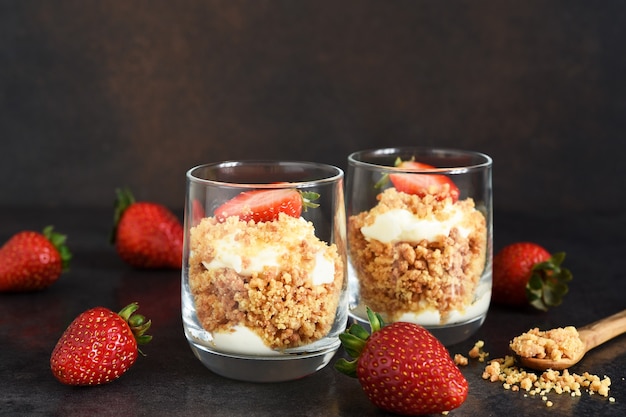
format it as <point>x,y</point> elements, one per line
<point>98,94</point>
<point>95,94</point>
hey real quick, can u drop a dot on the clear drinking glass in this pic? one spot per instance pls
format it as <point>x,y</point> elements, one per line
<point>264,282</point>
<point>420,238</point>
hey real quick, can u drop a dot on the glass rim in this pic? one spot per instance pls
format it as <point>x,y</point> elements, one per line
<point>486,160</point>
<point>334,173</point>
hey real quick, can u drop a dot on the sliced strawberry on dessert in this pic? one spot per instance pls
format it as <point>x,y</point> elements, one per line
<point>526,273</point>
<point>423,183</point>
<point>99,346</point>
<point>266,205</point>
<point>402,368</point>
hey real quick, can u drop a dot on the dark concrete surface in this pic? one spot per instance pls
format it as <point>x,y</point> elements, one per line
<point>171,381</point>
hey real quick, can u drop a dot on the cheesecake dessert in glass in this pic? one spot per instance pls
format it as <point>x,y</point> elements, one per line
<point>264,282</point>
<point>420,238</point>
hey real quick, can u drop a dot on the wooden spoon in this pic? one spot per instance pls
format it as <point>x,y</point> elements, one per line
<point>592,335</point>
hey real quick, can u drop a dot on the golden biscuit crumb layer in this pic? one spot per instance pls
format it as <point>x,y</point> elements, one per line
<point>280,303</point>
<point>412,277</point>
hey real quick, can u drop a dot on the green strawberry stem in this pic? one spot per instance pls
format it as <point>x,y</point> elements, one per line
<point>138,324</point>
<point>58,241</point>
<point>124,199</point>
<point>354,340</point>
<point>548,283</point>
<point>308,198</point>
<point>384,179</point>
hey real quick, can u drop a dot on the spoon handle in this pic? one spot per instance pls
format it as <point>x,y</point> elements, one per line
<point>596,333</point>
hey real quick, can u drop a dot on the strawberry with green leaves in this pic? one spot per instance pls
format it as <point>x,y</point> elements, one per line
<point>421,182</point>
<point>526,273</point>
<point>99,346</point>
<point>146,234</point>
<point>402,368</point>
<point>31,261</point>
<point>266,205</point>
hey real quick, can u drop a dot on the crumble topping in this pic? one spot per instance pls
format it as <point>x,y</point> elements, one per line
<point>514,378</point>
<point>535,384</point>
<point>280,302</point>
<point>554,344</point>
<point>432,274</point>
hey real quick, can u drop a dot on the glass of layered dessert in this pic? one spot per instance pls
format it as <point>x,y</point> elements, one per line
<point>264,282</point>
<point>420,238</point>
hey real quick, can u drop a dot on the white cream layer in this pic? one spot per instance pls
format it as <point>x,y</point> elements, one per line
<point>400,225</point>
<point>230,252</point>
<point>432,317</point>
<point>241,340</point>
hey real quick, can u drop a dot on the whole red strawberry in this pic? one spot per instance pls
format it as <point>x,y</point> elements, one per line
<point>526,273</point>
<point>403,368</point>
<point>146,234</point>
<point>32,261</point>
<point>99,346</point>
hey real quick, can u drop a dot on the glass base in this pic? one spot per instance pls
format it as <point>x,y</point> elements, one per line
<point>263,368</point>
<point>447,334</point>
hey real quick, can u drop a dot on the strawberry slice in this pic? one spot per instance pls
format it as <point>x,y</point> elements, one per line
<point>422,184</point>
<point>265,205</point>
